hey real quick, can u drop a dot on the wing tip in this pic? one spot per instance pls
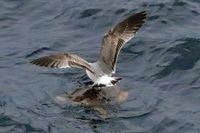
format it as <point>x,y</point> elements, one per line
<point>141,15</point>
<point>34,62</point>
<point>144,13</point>
<point>140,18</point>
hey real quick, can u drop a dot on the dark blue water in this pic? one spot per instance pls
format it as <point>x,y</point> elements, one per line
<point>160,66</point>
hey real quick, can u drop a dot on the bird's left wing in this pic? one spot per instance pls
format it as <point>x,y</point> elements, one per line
<point>115,39</point>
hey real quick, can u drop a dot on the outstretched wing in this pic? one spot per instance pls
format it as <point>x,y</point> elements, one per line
<point>115,39</point>
<point>63,61</point>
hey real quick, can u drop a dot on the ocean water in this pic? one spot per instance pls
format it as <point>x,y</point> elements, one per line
<point>160,67</point>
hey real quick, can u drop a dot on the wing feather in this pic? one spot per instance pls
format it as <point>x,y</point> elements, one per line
<point>64,60</point>
<point>115,39</point>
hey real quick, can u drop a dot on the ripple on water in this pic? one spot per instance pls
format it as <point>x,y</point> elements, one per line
<point>187,54</point>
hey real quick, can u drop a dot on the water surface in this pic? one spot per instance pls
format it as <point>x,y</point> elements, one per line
<point>160,66</point>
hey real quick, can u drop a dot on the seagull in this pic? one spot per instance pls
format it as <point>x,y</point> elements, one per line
<point>101,71</point>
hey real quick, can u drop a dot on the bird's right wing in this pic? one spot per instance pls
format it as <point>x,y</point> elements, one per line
<point>64,60</point>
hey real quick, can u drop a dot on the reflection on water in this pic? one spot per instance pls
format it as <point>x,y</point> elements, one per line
<point>97,98</point>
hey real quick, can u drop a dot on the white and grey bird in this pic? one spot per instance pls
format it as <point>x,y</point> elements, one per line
<point>101,71</point>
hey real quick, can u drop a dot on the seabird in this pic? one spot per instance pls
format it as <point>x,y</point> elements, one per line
<point>101,71</point>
